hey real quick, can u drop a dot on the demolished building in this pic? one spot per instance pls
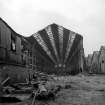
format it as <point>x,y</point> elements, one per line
<point>96,62</point>
<point>15,54</point>
<point>53,49</point>
<point>102,59</point>
<point>58,50</point>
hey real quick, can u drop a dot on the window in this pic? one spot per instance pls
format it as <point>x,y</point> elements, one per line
<point>30,53</point>
<point>23,46</point>
<point>13,42</point>
<point>102,61</point>
<point>0,35</point>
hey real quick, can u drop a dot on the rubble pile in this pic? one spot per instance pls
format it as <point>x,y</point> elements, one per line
<point>41,87</point>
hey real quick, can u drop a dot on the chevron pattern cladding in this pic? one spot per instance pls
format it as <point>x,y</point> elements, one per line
<point>58,44</point>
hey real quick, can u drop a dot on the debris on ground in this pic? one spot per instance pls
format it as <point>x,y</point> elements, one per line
<point>63,90</point>
<point>40,87</point>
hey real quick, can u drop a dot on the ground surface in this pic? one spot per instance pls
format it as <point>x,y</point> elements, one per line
<point>84,90</point>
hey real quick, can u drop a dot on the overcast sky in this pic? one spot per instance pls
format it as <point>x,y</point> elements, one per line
<point>86,17</point>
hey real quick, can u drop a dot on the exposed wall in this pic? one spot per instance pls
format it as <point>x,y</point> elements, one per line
<point>5,45</point>
<point>5,34</point>
<point>16,54</point>
<point>9,39</point>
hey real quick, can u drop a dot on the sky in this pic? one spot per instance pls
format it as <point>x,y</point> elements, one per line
<point>86,17</point>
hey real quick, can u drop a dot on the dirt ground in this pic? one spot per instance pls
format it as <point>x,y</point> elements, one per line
<point>82,90</point>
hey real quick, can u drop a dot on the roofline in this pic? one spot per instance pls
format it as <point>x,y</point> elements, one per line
<point>60,26</point>
<point>10,28</point>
